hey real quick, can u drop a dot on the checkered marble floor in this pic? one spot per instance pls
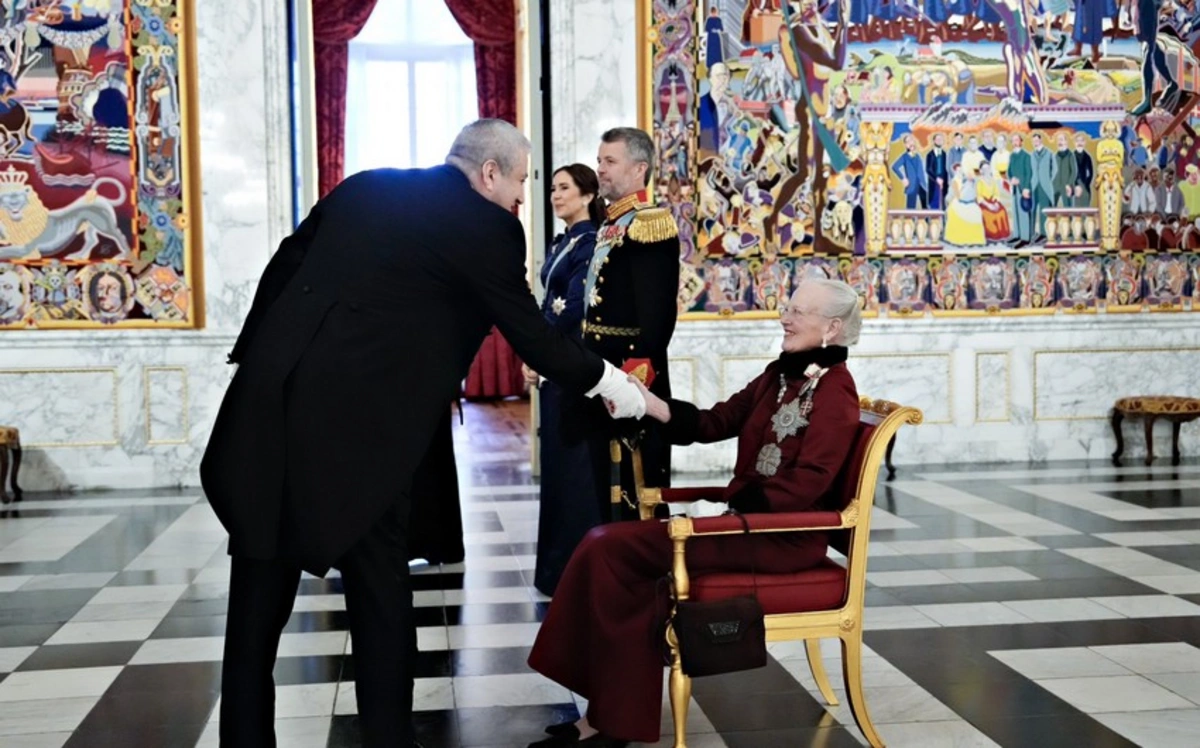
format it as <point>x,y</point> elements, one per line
<point>1013,606</point>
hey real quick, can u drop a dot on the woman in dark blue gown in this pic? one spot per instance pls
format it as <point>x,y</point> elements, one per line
<point>569,507</point>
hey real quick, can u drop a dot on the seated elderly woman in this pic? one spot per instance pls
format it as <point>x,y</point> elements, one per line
<point>795,423</point>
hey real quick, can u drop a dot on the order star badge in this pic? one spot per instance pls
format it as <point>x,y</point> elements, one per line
<point>558,305</point>
<point>594,298</point>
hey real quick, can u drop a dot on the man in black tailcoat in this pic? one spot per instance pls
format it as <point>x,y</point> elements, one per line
<point>364,324</point>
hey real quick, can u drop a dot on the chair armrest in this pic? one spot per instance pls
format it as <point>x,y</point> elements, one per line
<point>767,522</point>
<point>675,495</point>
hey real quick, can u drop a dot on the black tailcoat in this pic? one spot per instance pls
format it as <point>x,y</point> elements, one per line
<point>364,324</point>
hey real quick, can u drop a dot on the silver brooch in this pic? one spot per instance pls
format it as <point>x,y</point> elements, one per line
<point>558,305</point>
<point>787,421</point>
<point>769,459</point>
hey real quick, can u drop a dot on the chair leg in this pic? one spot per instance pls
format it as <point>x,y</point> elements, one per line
<point>4,474</point>
<point>679,687</point>
<point>852,672</point>
<point>812,648</point>
<point>16,468</point>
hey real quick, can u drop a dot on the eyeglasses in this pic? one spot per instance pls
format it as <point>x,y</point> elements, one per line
<point>795,312</point>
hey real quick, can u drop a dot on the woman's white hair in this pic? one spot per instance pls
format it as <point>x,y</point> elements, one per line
<point>488,140</point>
<point>841,302</point>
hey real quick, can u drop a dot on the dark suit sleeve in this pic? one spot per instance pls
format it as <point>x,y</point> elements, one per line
<point>497,280</point>
<point>722,421</point>
<point>832,427</point>
<point>656,294</point>
<point>283,265</point>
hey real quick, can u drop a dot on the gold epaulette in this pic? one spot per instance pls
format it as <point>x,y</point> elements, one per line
<point>653,225</point>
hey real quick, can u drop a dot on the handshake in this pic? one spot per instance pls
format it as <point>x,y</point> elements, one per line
<point>624,395</point>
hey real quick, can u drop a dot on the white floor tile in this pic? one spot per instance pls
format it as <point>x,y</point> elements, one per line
<point>1177,728</point>
<point>10,584</point>
<point>429,694</point>
<point>296,701</point>
<point>1132,539</point>
<point>971,614</point>
<point>1064,662</point>
<point>949,734</point>
<point>1066,609</point>
<point>319,603</point>
<point>907,578</point>
<point>488,595</point>
<point>36,685</point>
<point>1164,657</point>
<point>12,657</point>
<point>986,574</point>
<point>493,635</point>
<point>1178,584</point>
<point>1186,685</point>
<point>508,690</point>
<point>122,612</point>
<point>105,631</point>
<point>302,732</point>
<point>896,617</point>
<point>1130,693</point>
<point>191,649</point>
<point>1149,606</point>
<point>68,581</point>
<point>37,740</point>
<point>149,593</point>
<point>44,716</point>
<point>999,545</point>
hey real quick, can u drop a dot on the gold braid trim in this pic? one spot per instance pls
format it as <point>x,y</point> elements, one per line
<point>653,225</point>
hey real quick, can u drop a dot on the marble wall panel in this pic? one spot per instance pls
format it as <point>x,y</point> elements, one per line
<point>683,377</point>
<point>167,405</point>
<point>68,407</point>
<point>1081,385</point>
<point>993,390</point>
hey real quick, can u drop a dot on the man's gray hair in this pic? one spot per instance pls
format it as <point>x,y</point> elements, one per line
<point>841,302</point>
<point>637,142</point>
<point>488,140</point>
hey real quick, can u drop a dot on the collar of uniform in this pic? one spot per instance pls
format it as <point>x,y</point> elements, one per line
<point>630,202</point>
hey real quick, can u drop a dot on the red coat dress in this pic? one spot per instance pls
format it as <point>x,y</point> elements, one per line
<point>602,636</point>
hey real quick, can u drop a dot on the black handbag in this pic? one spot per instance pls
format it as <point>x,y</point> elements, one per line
<point>721,636</point>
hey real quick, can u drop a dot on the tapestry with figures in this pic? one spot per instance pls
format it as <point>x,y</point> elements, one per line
<point>98,199</point>
<point>942,156</point>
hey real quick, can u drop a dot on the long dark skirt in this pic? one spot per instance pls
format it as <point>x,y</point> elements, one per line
<point>570,505</point>
<point>603,635</point>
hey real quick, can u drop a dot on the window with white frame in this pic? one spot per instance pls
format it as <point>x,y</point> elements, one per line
<point>410,86</point>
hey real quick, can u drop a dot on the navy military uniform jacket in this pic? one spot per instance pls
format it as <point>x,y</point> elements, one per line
<point>630,306</point>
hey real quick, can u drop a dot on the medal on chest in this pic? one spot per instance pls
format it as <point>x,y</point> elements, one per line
<point>608,238</point>
<point>788,420</point>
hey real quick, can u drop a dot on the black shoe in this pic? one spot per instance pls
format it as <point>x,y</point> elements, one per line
<point>570,737</point>
<point>564,730</point>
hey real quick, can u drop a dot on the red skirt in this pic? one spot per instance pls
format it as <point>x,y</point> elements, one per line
<point>603,634</point>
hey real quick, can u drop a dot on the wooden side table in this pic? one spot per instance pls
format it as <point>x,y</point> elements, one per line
<point>1177,410</point>
<point>10,442</point>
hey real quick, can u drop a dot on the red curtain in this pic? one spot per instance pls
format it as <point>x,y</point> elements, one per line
<point>492,26</point>
<point>335,23</point>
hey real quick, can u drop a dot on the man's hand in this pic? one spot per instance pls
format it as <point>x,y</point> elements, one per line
<point>656,407</point>
<point>531,376</point>
<point>619,394</point>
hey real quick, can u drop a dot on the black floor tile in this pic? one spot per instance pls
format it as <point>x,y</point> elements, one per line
<point>183,627</point>
<point>514,725</point>
<point>190,608</point>
<point>1156,498</point>
<point>799,737</point>
<point>490,661</point>
<point>330,586</point>
<point>317,620</point>
<point>126,734</point>
<point>1070,541</point>
<point>436,663</point>
<point>291,671</point>
<point>1050,730</point>
<point>27,635</point>
<point>180,676</point>
<point>429,615</point>
<point>64,656</point>
<point>438,729</point>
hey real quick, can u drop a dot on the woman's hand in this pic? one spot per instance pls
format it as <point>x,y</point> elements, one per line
<point>531,376</point>
<point>656,407</point>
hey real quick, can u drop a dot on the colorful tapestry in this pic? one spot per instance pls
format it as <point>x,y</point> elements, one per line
<point>99,206</point>
<point>950,156</point>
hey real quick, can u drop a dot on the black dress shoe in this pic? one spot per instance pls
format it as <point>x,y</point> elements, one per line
<point>570,737</point>
<point>563,729</point>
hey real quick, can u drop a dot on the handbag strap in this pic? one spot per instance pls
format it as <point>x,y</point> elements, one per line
<point>750,543</point>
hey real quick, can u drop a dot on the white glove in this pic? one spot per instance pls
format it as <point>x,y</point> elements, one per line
<point>620,395</point>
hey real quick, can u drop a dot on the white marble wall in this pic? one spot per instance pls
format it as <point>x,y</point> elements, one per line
<point>134,408</point>
<point>992,390</point>
<point>593,79</point>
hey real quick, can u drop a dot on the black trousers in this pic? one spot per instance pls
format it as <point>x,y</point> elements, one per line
<point>379,605</point>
